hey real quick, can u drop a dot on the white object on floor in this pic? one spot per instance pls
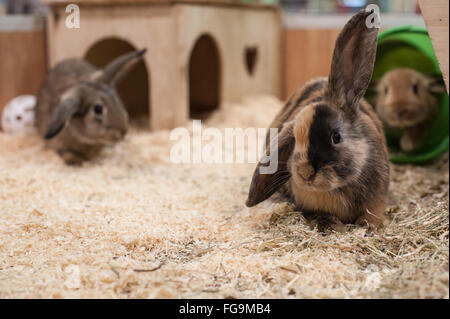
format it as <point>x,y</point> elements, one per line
<point>18,115</point>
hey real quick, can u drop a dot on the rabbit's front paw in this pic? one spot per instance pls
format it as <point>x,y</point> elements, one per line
<point>72,158</point>
<point>325,222</point>
<point>407,143</point>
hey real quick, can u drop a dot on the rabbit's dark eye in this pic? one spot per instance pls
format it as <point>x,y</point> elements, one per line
<point>98,109</point>
<point>336,138</point>
<point>386,90</point>
<point>415,89</point>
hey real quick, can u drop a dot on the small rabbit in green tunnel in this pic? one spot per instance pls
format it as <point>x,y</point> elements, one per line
<point>408,100</point>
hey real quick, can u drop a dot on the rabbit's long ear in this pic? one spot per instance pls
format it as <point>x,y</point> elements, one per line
<point>353,61</point>
<point>114,71</point>
<point>62,115</point>
<point>264,182</point>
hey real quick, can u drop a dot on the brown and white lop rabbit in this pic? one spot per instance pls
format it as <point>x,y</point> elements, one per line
<point>332,155</point>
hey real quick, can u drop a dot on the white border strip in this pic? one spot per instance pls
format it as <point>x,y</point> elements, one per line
<point>314,21</point>
<point>21,23</point>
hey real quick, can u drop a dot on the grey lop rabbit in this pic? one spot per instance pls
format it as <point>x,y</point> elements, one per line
<point>79,111</point>
<point>332,157</point>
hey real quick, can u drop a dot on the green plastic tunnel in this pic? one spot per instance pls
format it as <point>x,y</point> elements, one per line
<point>410,47</point>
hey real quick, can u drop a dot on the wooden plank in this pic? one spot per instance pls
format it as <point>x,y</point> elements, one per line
<point>250,29</point>
<point>435,14</point>
<point>307,54</point>
<point>22,64</point>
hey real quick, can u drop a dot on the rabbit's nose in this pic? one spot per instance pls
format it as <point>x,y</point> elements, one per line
<point>117,134</point>
<point>307,178</point>
<point>403,113</point>
<point>307,173</point>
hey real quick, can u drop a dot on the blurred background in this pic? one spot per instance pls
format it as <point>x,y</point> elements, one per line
<point>289,6</point>
<point>309,30</point>
<point>346,6</point>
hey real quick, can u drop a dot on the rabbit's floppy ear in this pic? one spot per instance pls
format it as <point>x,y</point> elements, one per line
<point>62,115</point>
<point>353,61</point>
<point>114,71</point>
<point>264,185</point>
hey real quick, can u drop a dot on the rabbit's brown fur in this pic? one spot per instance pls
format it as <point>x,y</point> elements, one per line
<point>407,100</point>
<point>78,110</point>
<point>332,183</point>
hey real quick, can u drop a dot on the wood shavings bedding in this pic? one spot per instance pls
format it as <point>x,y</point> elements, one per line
<point>131,224</point>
